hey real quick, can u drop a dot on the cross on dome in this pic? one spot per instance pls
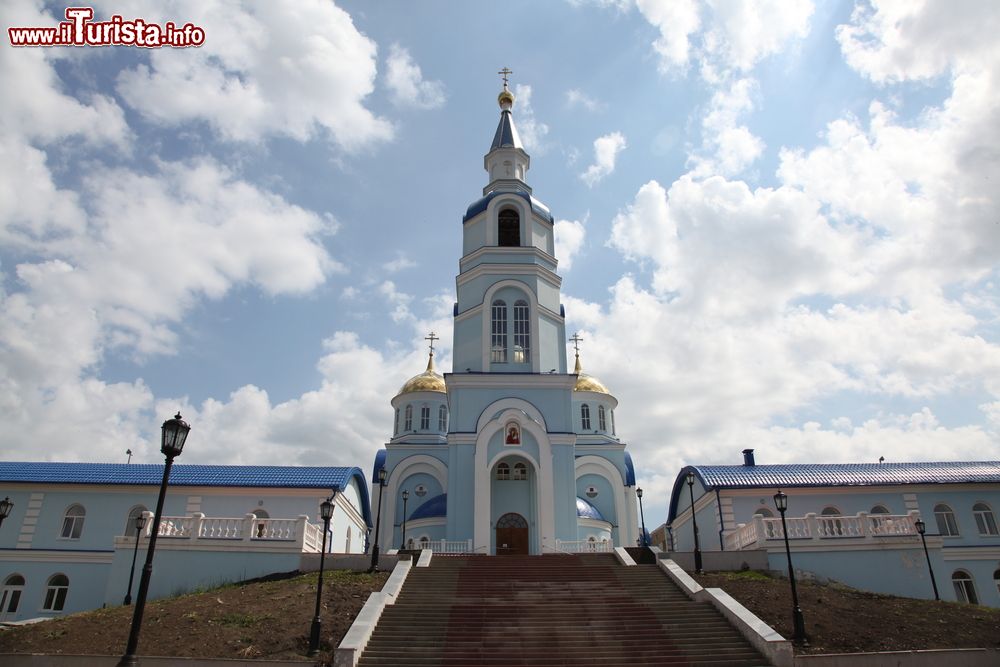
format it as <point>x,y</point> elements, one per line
<point>505,72</point>
<point>432,337</point>
<point>576,339</point>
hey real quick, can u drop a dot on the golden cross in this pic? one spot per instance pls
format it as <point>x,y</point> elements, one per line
<point>505,72</point>
<point>432,338</point>
<point>576,339</point>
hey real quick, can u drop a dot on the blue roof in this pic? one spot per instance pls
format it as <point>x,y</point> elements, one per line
<point>151,474</point>
<point>805,475</point>
<point>480,205</point>
<point>585,510</point>
<point>629,470</point>
<point>432,508</point>
<point>380,456</point>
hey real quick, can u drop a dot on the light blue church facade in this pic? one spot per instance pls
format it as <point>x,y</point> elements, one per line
<point>511,452</point>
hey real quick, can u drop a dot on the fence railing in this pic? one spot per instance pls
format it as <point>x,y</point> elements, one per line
<point>584,547</point>
<point>296,533</point>
<point>860,527</point>
<point>446,546</point>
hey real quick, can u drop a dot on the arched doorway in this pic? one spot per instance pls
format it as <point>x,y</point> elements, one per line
<point>512,534</point>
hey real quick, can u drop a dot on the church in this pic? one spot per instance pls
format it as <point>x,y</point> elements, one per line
<point>510,453</point>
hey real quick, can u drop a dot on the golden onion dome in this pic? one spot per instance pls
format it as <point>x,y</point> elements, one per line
<point>505,99</point>
<point>586,382</point>
<point>429,380</point>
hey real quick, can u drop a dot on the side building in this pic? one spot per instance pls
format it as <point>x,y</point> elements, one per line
<point>511,452</point>
<point>69,542</point>
<point>852,522</point>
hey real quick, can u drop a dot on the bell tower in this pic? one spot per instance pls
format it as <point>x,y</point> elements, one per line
<point>508,318</point>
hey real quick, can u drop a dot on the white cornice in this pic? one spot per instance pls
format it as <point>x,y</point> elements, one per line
<point>496,268</point>
<point>55,556</point>
<point>509,381</point>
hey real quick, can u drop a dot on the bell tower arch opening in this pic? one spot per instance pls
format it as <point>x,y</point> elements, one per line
<point>509,228</point>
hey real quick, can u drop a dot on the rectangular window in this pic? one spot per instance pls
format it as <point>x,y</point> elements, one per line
<point>585,417</point>
<point>498,339</point>
<point>522,334</point>
<point>601,419</point>
<point>425,418</point>
<point>443,419</point>
<point>985,521</point>
<point>947,526</point>
<point>408,418</point>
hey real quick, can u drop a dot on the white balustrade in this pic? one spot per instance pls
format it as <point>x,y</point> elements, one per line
<point>584,547</point>
<point>221,528</point>
<point>862,526</point>
<point>249,528</point>
<point>448,546</point>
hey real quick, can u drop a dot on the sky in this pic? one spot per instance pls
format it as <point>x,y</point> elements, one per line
<point>777,223</point>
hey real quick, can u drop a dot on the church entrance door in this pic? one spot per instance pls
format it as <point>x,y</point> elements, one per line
<point>512,535</point>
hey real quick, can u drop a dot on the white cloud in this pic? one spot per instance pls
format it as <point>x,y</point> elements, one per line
<point>576,98</point>
<point>899,41</point>
<point>530,129</point>
<point>407,85</point>
<point>727,146</point>
<point>569,240</point>
<point>400,263</point>
<point>262,71</point>
<point>399,301</point>
<point>606,150</point>
<point>676,21</point>
<point>724,37</point>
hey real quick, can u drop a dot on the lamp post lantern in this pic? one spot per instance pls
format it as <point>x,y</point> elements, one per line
<point>642,517</point>
<point>378,520</point>
<point>406,496</point>
<point>5,507</point>
<point>140,522</point>
<point>326,513</point>
<point>922,528</point>
<point>798,623</point>
<point>174,433</point>
<point>694,524</point>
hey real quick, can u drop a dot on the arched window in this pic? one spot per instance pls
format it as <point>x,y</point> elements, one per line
<point>832,526</point>
<point>443,419</point>
<point>522,333</point>
<point>520,471</point>
<point>10,596</point>
<point>509,228</point>
<point>73,522</point>
<point>133,514</point>
<point>602,422</point>
<point>55,593</point>
<point>498,338</point>
<point>830,511</point>
<point>503,471</point>
<point>947,526</point>
<point>425,418</point>
<point>424,540</point>
<point>408,418</point>
<point>965,589</point>
<point>879,509</point>
<point>260,525</point>
<point>395,424</point>
<point>765,512</point>
<point>985,521</point>
<point>996,579</point>
<point>585,417</point>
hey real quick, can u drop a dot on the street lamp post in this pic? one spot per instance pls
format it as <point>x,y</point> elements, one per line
<point>642,517</point>
<point>5,507</point>
<point>922,528</point>
<point>140,522</point>
<point>326,513</point>
<point>798,623</point>
<point>378,520</point>
<point>174,434</point>
<point>694,524</point>
<point>406,496</point>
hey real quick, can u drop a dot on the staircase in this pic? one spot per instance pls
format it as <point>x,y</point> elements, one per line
<point>550,610</point>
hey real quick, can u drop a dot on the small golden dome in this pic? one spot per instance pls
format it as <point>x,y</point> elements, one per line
<point>505,99</point>
<point>429,380</point>
<point>586,382</point>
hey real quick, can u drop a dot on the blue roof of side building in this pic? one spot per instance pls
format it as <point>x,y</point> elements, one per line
<point>151,474</point>
<point>810,475</point>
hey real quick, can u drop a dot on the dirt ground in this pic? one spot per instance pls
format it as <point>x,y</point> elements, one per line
<point>263,619</point>
<point>271,619</point>
<point>844,620</point>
